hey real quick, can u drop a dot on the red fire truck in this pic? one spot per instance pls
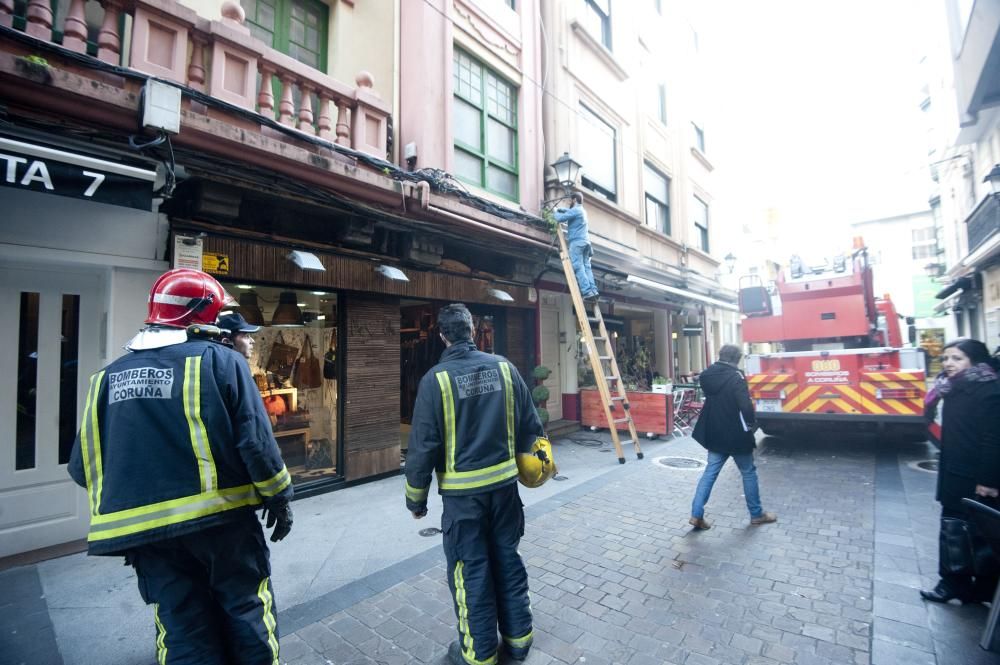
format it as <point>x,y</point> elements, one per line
<point>839,363</point>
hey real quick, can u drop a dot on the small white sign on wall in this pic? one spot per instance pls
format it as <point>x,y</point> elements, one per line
<point>187,252</point>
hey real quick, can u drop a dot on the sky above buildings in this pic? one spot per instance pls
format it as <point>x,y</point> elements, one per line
<point>812,115</point>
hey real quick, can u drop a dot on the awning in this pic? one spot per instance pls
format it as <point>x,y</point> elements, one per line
<point>681,293</point>
<point>964,283</point>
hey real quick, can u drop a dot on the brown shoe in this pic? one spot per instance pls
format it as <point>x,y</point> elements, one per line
<point>765,518</point>
<point>700,523</point>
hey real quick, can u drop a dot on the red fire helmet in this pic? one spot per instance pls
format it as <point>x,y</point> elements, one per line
<point>183,296</point>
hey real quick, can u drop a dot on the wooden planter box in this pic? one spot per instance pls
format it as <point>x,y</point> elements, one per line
<point>651,412</point>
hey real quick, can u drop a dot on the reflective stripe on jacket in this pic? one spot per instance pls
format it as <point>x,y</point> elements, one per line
<point>171,441</point>
<point>473,414</point>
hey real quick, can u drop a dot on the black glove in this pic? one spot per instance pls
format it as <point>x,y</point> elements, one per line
<point>279,514</point>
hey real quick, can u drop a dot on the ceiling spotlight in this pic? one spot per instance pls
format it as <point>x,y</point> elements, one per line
<point>305,260</point>
<point>502,296</point>
<point>392,273</point>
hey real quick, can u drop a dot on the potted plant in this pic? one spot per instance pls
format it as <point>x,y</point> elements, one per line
<point>661,385</point>
<point>539,394</point>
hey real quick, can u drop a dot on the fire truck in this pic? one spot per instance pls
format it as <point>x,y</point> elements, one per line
<point>839,363</point>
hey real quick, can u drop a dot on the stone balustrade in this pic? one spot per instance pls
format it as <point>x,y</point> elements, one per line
<point>219,58</point>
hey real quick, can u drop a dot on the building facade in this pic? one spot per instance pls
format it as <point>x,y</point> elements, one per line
<point>261,143</point>
<point>621,85</point>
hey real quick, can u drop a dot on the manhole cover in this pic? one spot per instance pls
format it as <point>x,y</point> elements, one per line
<point>930,466</point>
<point>427,533</point>
<point>682,463</point>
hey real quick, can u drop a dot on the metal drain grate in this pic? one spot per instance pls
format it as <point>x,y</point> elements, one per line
<point>680,463</point>
<point>928,466</point>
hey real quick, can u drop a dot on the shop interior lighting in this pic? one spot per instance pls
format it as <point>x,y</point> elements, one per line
<point>502,296</point>
<point>318,293</point>
<point>305,260</point>
<point>244,286</point>
<point>287,313</point>
<point>392,273</point>
<point>250,309</point>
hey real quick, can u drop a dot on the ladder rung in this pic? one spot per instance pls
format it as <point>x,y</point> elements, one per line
<point>598,337</point>
<point>617,399</point>
<point>612,378</point>
<point>604,357</point>
<point>593,319</point>
<point>622,420</point>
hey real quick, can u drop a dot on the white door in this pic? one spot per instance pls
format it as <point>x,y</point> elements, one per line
<point>50,328</point>
<point>551,359</point>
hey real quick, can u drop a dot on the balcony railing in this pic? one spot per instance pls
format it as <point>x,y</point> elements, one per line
<point>984,221</point>
<point>219,58</point>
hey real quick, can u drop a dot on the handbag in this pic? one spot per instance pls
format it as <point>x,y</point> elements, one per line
<point>307,372</point>
<point>963,550</point>
<point>330,360</point>
<point>282,357</point>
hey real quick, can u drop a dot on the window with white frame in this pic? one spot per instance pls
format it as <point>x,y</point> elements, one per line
<point>701,223</point>
<point>484,126</point>
<point>657,188</point>
<point>596,18</point>
<point>699,137</point>
<point>658,102</point>
<point>924,243</point>
<point>598,154</point>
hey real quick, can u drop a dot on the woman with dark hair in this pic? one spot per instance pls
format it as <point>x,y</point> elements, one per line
<point>964,407</point>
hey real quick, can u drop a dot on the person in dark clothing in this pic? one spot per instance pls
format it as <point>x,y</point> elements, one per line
<point>726,429</point>
<point>473,415</point>
<point>175,451</point>
<point>963,407</point>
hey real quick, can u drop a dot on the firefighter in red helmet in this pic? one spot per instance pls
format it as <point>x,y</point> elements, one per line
<point>175,452</point>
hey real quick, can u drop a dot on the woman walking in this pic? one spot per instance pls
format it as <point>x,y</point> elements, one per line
<point>964,406</point>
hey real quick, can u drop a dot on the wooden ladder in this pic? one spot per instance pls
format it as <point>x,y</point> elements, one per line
<point>616,409</point>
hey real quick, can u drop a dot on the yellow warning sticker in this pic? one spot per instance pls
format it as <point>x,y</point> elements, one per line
<point>217,263</point>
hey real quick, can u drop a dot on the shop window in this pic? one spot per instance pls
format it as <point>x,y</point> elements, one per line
<point>295,365</point>
<point>68,375</point>
<point>27,382</point>
<point>484,127</point>
<point>597,142</point>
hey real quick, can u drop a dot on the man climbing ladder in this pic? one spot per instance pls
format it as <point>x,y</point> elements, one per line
<point>616,408</point>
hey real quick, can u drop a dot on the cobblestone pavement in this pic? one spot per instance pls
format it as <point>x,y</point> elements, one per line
<point>617,576</point>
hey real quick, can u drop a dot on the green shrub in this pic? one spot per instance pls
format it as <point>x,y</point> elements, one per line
<point>541,372</point>
<point>543,415</point>
<point>539,394</point>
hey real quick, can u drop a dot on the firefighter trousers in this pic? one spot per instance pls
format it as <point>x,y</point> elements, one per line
<point>488,581</point>
<point>212,596</point>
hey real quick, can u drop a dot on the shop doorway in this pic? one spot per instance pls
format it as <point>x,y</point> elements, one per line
<point>52,328</point>
<point>552,358</point>
<point>421,348</point>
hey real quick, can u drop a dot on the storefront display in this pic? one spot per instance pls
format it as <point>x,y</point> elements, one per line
<point>295,368</point>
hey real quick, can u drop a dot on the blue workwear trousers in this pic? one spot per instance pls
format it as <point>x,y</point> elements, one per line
<point>750,488</point>
<point>212,596</point>
<point>487,578</point>
<point>579,256</point>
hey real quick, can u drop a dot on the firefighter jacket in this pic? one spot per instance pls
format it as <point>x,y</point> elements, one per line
<point>173,440</point>
<point>472,416</point>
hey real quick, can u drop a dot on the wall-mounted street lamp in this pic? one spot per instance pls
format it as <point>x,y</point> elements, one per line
<point>730,262</point>
<point>993,178</point>
<point>934,270</point>
<point>567,169</point>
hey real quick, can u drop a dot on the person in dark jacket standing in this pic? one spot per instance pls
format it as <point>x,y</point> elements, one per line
<point>964,408</point>
<point>473,415</point>
<point>175,451</point>
<point>726,429</point>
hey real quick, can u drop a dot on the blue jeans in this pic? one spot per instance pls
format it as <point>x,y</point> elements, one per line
<point>579,256</point>
<point>715,463</point>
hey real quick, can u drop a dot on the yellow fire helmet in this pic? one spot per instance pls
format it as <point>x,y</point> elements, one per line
<point>534,468</point>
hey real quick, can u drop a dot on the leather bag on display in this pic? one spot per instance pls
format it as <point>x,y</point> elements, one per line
<point>330,360</point>
<point>308,374</point>
<point>282,357</point>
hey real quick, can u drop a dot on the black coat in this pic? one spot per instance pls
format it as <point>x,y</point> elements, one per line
<point>719,428</point>
<point>970,441</point>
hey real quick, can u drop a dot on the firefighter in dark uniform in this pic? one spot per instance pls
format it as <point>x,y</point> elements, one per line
<point>473,417</point>
<point>175,451</point>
